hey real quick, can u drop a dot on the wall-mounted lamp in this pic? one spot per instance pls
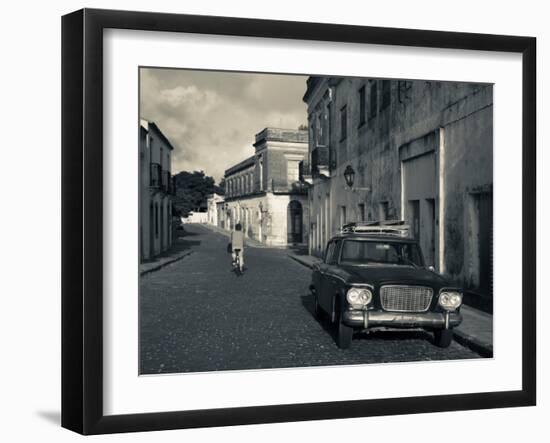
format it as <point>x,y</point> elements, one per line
<point>349,177</point>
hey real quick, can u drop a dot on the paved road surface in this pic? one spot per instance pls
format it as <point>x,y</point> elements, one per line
<point>196,315</point>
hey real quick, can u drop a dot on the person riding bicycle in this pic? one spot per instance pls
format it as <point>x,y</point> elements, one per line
<point>237,245</point>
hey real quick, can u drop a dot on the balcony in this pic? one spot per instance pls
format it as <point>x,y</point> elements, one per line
<point>160,180</point>
<point>282,186</point>
<point>320,164</point>
<point>155,176</point>
<point>299,188</point>
<point>304,169</point>
<point>166,181</point>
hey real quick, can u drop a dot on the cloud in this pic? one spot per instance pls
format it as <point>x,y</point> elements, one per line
<point>212,117</point>
<point>190,96</point>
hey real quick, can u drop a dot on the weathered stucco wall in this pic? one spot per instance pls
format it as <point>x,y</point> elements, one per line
<point>263,209</point>
<point>153,149</point>
<point>400,134</point>
<point>468,173</point>
<point>270,226</point>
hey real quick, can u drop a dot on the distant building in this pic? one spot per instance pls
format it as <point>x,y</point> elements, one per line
<point>156,190</point>
<point>263,192</point>
<point>418,150</point>
<point>220,208</point>
<point>212,204</point>
<point>196,217</point>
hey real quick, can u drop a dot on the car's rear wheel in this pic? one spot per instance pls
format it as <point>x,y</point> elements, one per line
<point>443,337</point>
<point>344,333</point>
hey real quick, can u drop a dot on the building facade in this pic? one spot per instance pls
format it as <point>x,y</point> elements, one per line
<point>213,203</point>
<point>420,151</point>
<point>263,192</point>
<point>220,208</point>
<point>156,190</point>
<point>195,217</point>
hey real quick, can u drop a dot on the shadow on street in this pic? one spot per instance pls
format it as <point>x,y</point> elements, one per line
<point>180,244</point>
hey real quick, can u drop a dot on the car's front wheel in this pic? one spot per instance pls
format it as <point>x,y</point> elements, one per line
<point>344,333</point>
<point>443,337</point>
<point>317,310</point>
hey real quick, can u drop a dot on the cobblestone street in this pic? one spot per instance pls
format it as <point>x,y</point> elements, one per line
<point>196,315</point>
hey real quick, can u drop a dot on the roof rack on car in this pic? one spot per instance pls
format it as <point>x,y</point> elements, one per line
<point>385,227</point>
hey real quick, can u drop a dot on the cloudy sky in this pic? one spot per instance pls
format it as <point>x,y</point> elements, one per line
<point>211,117</point>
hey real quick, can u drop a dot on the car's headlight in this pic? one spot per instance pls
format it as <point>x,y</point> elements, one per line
<point>450,300</point>
<point>359,297</point>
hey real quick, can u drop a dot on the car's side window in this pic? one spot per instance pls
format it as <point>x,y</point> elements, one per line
<point>333,258</point>
<point>328,252</point>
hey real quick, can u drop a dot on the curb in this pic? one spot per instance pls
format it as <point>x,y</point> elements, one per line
<point>165,263</point>
<point>471,342</point>
<point>467,340</point>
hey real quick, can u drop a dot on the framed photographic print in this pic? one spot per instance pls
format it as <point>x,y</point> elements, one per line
<point>270,221</point>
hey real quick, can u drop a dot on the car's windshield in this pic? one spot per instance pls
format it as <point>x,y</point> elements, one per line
<point>361,252</point>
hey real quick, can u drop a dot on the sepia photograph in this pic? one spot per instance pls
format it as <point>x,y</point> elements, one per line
<point>299,220</point>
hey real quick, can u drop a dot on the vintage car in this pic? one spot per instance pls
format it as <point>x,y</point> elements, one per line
<point>373,276</point>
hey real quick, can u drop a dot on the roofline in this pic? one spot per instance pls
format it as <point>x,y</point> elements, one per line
<point>311,83</point>
<point>270,133</point>
<point>157,129</point>
<point>240,166</point>
<point>314,82</point>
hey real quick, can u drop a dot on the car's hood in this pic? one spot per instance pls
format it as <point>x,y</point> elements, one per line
<point>380,275</point>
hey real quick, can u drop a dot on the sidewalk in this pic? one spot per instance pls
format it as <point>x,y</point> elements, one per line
<point>178,251</point>
<point>475,331</point>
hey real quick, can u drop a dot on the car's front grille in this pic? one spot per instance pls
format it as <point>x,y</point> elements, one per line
<point>405,298</point>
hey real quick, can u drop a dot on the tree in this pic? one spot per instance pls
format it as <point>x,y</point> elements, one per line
<point>221,186</point>
<point>192,189</point>
<point>302,127</point>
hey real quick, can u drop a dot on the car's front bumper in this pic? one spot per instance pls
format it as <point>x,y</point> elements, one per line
<point>367,319</point>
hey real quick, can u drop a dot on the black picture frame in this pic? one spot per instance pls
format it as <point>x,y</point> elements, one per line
<point>82,218</point>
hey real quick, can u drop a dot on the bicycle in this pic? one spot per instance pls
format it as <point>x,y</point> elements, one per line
<point>237,263</point>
